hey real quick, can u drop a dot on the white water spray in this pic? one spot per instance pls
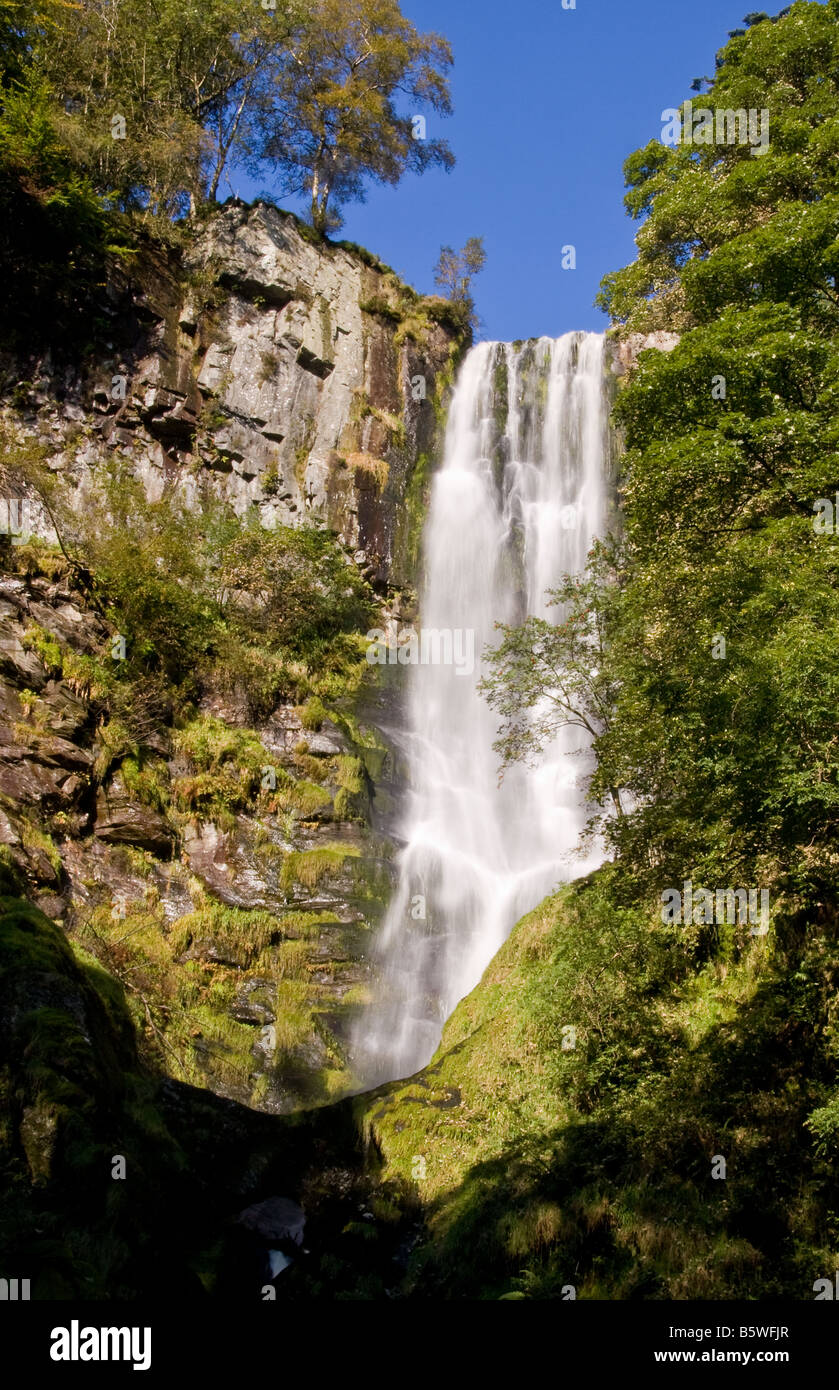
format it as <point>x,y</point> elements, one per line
<point>516,505</point>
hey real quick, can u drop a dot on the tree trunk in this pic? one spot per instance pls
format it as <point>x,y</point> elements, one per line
<point>315,192</point>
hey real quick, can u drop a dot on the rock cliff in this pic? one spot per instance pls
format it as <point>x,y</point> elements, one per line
<point>227,869</point>
<point>293,376</point>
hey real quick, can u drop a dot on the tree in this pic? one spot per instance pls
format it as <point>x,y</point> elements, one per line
<point>454,273</point>
<point>329,119</point>
<point>149,101</point>
<point>455,270</point>
<point>704,197</point>
<point>546,676</point>
<point>181,75</point>
<point>723,729</point>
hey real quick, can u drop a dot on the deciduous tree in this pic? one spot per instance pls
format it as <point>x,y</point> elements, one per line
<point>333,115</point>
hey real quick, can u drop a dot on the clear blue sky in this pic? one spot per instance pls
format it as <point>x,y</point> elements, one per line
<point>548,104</point>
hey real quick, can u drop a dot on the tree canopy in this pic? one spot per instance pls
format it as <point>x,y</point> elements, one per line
<point>147,104</point>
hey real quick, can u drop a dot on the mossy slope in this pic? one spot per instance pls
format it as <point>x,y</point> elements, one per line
<point>584,1159</point>
<point>73,1099</point>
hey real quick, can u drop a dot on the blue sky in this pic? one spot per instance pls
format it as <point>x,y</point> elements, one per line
<point>548,104</point>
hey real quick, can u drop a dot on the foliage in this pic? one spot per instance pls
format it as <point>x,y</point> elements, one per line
<point>548,675</point>
<point>719,223</point>
<point>178,81</point>
<point>331,119</point>
<point>153,576</point>
<point>228,765</point>
<point>144,107</point>
<point>202,595</point>
<point>308,593</point>
<point>54,231</point>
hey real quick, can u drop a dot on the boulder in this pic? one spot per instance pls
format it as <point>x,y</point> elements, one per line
<point>277,1218</point>
<point>122,821</point>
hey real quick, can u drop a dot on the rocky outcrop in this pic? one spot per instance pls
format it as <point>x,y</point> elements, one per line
<point>622,351</point>
<point>120,820</point>
<point>284,373</point>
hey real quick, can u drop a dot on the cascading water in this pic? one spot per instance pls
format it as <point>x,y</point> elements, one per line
<point>516,505</point>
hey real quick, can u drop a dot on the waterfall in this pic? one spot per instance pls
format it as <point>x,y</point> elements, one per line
<point>516,503</point>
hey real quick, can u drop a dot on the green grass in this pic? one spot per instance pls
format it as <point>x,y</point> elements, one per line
<point>34,837</point>
<point>312,714</point>
<point>304,797</point>
<point>243,934</point>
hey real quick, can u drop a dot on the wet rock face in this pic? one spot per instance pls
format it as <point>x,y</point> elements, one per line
<point>287,374</point>
<point>45,728</point>
<point>241,941</point>
<point>242,1196</point>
